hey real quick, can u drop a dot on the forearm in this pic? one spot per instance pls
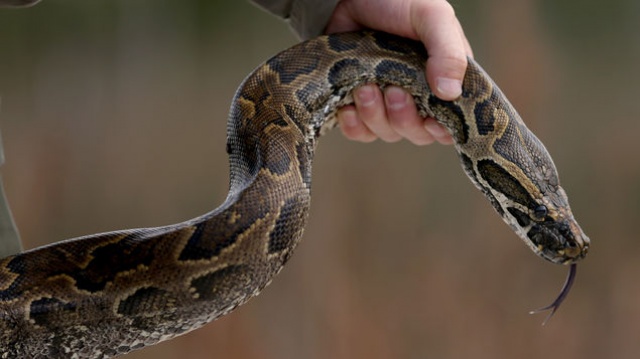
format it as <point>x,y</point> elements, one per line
<point>308,18</point>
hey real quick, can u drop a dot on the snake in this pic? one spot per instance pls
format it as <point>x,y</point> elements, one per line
<point>103,295</point>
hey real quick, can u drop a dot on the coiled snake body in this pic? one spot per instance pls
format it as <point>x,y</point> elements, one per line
<point>107,294</point>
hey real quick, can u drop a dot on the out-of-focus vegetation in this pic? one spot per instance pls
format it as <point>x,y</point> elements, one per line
<point>114,114</point>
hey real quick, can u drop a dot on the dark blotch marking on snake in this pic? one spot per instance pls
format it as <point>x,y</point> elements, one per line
<point>280,122</point>
<point>45,311</point>
<point>106,261</point>
<point>311,99</point>
<point>276,157</point>
<point>450,111</point>
<point>476,86</point>
<point>243,156</point>
<point>344,71</point>
<point>337,44</point>
<point>391,43</point>
<point>228,282</point>
<point>467,165</point>
<point>111,259</point>
<point>483,113</point>
<point>503,182</point>
<point>389,70</point>
<point>522,218</point>
<point>145,300</point>
<point>212,237</point>
<point>288,220</point>
<point>17,265</point>
<point>289,69</point>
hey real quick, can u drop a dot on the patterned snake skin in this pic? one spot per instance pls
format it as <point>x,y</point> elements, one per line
<point>107,294</point>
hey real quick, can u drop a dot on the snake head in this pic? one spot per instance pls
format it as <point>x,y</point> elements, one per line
<point>559,240</point>
<point>522,184</point>
<point>550,229</point>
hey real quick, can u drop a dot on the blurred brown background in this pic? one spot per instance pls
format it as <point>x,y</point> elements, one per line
<point>114,114</point>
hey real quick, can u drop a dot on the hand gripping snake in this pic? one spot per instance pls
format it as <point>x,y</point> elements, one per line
<point>106,294</point>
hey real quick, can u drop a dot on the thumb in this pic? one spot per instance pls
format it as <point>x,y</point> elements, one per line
<point>437,27</point>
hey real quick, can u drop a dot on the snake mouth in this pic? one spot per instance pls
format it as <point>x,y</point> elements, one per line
<point>574,253</point>
<point>560,242</point>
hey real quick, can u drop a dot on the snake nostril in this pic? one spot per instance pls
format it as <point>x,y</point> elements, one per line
<point>572,252</point>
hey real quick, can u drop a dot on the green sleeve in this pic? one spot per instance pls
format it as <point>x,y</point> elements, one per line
<point>17,3</point>
<point>9,238</point>
<point>307,18</point>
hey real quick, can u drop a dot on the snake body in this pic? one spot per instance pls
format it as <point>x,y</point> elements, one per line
<point>103,295</point>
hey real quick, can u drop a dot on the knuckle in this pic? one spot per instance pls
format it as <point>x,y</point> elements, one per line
<point>402,123</point>
<point>405,122</point>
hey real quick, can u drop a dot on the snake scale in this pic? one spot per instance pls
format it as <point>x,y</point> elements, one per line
<point>106,294</point>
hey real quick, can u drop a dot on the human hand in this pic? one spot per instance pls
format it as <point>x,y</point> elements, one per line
<point>392,115</point>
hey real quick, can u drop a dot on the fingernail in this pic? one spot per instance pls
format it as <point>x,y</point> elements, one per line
<point>449,89</point>
<point>395,97</point>
<point>366,95</point>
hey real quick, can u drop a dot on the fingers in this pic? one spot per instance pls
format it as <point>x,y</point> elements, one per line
<point>352,127</point>
<point>404,118</point>
<point>434,23</point>
<point>371,109</point>
<point>390,116</point>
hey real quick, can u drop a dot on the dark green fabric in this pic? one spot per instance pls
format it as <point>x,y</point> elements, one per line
<point>17,3</point>
<point>307,18</point>
<point>9,238</point>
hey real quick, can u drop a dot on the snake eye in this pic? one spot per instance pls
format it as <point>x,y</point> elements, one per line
<point>540,212</point>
